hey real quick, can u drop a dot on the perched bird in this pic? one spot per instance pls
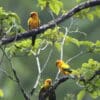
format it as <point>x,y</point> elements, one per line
<point>47,84</point>
<point>33,22</point>
<point>63,67</point>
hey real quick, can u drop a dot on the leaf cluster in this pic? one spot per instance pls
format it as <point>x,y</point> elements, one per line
<point>9,23</point>
<point>54,5</point>
<point>91,84</point>
<point>90,46</point>
<point>89,13</point>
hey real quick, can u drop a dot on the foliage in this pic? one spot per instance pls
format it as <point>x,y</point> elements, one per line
<point>92,86</point>
<point>90,46</point>
<point>10,23</point>
<point>81,95</point>
<point>56,38</point>
<point>53,35</point>
<point>89,13</point>
<point>54,5</point>
<point>1,93</point>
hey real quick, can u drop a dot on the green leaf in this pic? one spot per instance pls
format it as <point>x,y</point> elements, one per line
<point>81,95</point>
<point>87,43</point>
<point>58,46</point>
<point>97,43</point>
<point>72,40</point>
<point>90,16</point>
<point>97,51</point>
<point>11,50</point>
<point>78,1</point>
<point>10,23</point>
<point>97,11</point>
<point>23,44</point>
<point>87,72</point>
<point>52,35</point>
<point>1,93</point>
<point>95,94</point>
<point>15,16</point>
<point>42,4</point>
<point>55,6</point>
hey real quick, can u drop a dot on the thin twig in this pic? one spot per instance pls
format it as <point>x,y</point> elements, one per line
<point>16,77</point>
<point>10,77</point>
<point>38,64</point>
<point>20,86</point>
<point>35,85</point>
<point>61,56</point>
<point>48,58</point>
<point>57,75</point>
<point>79,32</point>
<point>38,76</point>
<point>70,25</point>
<point>1,58</point>
<point>52,15</point>
<point>77,55</point>
<point>62,43</point>
<point>43,48</point>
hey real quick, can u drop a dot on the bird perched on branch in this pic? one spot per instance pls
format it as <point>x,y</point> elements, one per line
<point>33,23</point>
<point>51,95</point>
<point>66,70</point>
<point>63,67</point>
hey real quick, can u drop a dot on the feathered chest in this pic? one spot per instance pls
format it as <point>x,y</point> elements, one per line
<point>33,23</point>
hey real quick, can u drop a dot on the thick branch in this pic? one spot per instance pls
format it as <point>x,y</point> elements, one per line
<point>51,24</point>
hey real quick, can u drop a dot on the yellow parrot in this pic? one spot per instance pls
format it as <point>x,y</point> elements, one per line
<point>33,22</point>
<point>63,67</point>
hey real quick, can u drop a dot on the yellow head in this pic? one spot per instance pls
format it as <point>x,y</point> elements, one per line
<point>59,63</point>
<point>47,83</point>
<point>34,14</point>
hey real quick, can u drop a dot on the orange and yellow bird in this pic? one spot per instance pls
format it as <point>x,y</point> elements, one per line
<point>47,84</point>
<point>63,67</point>
<point>33,22</point>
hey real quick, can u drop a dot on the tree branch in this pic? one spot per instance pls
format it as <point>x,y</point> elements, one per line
<point>50,24</point>
<point>97,72</point>
<point>19,84</point>
<point>26,96</point>
<point>63,79</point>
<point>38,76</point>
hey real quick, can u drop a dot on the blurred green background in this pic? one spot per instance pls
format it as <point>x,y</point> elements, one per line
<point>26,66</point>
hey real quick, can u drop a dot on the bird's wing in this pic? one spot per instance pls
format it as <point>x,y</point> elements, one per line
<point>67,70</point>
<point>65,66</point>
<point>41,93</point>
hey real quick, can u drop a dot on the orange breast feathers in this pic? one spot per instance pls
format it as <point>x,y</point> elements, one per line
<point>33,21</point>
